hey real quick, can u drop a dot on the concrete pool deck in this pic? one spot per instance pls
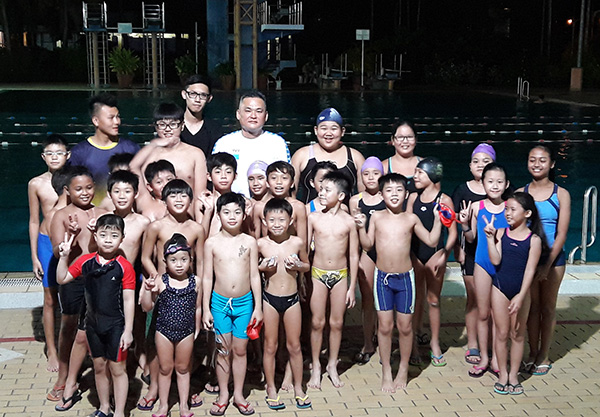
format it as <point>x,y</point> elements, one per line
<point>571,388</point>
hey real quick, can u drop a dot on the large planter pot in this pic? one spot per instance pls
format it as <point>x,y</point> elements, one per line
<point>228,82</point>
<point>124,80</point>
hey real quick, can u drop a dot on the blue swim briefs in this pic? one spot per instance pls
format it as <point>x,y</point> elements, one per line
<point>47,259</point>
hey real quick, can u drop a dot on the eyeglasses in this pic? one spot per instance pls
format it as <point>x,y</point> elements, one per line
<point>404,138</point>
<point>192,95</point>
<point>163,125</point>
<point>56,153</point>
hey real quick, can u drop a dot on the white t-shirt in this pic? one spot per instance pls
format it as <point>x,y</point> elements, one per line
<point>268,147</point>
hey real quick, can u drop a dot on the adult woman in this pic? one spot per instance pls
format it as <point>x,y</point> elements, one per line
<point>329,147</point>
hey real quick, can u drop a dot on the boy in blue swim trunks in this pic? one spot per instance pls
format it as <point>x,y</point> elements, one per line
<point>235,300</point>
<point>391,231</point>
<point>43,198</point>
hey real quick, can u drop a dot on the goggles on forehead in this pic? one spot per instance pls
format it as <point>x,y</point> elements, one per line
<point>171,249</point>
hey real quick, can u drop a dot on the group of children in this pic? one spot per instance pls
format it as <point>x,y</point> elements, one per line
<point>215,260</point>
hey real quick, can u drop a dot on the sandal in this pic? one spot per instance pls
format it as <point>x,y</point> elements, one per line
<point>220,409</point>
<point>473,353</point>
<point>211,389</point>
<point>516,389</point>
<point>305,403</point>
<point>274,403</point>
<point>244,409</point>
<point>363,357</point>
<point>72,400</point>
<point>437,361</point>
<point>542,369</point>
<point>478,371</point>
<point>55,393</point>
<point>195,401</point>
<point>501,389</point>
<point>145,404</point>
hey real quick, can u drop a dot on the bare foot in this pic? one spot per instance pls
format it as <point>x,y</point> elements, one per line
<point>401,380</point>
<point>52,364</point>
<point>387,385</point>
<point>315,378</point>
<point>286,384</point>
<point>334,376</point>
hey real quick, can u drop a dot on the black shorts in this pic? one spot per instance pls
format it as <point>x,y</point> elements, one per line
<point>468,267</point>
<point>71,296</point>
<point>106,345</point>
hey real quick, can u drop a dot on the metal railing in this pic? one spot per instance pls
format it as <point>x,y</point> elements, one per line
<point>523,89</point>
<point>590,195</point>
<point>284,13</point>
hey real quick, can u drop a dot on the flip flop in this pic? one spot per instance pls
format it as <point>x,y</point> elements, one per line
<point>220,409</point>
<point>495,372</point>
<point>195,401</point>
<point>56,393</point>
<point>501,389</point>
<point>244,409</point>
<point>72,400</point>
<point>478,371</point>
<point>363,357</point>
<point>525,367</point>
<point>473,352</point>
<point>304,403</point>
<point>437,361</point>
<point>274,404</point>
<point>542,369</point>
<point>148,404</point>
<point>512,389</point>
<point>145,378</point>
<point>211,389</point>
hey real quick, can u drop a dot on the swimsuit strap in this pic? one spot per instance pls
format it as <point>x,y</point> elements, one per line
<point>481,205</point>
<point>390,170</point>
<point>526,188</point>
<point>311,151</point>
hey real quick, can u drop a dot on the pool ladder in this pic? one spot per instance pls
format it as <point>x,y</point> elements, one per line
<point>591,194</point>
<point>523,89</point>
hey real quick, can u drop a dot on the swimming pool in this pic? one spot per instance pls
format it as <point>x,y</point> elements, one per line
<point>449,124</point>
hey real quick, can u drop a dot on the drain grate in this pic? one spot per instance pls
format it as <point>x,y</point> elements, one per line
<point>19,282</point>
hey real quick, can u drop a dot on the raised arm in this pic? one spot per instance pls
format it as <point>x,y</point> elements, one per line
<point>63,275</point>
<point>429,237</point>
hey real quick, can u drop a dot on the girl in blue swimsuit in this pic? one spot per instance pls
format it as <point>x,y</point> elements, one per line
<point>473,218</point>
<point>175,296</point>
<point>516,252</point>
<point>554,207</point>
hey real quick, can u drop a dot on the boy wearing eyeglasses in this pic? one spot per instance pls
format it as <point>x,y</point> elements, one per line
<point>199,131</point>
<point>42,197</point>
<point>189,161</point>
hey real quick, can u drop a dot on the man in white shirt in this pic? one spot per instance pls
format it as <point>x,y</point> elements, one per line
<point>252,143</point>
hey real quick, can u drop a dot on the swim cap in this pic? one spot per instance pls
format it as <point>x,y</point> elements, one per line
<point>486,149</point>
<point>433,168</point>
<point>372,162</point>
<point>330,115</point>
<point>257,167</point>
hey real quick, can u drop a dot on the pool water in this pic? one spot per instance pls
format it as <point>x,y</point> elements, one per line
<point>449,125</point>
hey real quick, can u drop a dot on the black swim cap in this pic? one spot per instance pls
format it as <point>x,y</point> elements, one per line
<point>433,167</point>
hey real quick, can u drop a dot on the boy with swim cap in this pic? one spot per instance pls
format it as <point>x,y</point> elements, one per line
<point>429,262</point>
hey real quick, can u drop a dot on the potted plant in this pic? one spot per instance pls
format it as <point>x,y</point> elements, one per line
<point>123,62</point>
<point>226,73</point>
<point>185,66</point>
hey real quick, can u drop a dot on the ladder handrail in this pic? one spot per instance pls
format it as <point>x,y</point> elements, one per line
<point>591,194</point>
